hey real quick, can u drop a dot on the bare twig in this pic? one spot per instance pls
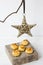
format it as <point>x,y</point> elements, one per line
<point>11,13</point>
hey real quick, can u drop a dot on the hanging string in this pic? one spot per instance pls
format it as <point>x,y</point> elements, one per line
<point>23,6</point>
<point>23,2</point>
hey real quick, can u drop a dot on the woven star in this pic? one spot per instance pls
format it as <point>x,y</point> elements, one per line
<point>24,27</point>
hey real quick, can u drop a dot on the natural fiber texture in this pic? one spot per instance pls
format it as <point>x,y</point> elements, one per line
<point>24,28</point>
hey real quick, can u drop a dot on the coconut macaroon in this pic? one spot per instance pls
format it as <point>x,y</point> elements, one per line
<point>14,46</point>
<point>25,42</point>
<point>16,53</point>
<point>29,50</point>
<point>21,48</point>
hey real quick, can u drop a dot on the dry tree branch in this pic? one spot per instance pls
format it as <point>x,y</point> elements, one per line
<point>11,13</point>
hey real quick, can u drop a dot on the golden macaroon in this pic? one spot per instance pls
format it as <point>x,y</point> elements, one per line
<point>21,48</point>
<point>29,50</point>
<point>14,46</point>
<point>16,53</point>
<point>25,42</point>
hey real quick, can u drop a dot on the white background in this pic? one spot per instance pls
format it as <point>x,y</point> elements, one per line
<point>8,35</point>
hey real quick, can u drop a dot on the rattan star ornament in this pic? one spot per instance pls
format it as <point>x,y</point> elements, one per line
<point>24,27</point>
